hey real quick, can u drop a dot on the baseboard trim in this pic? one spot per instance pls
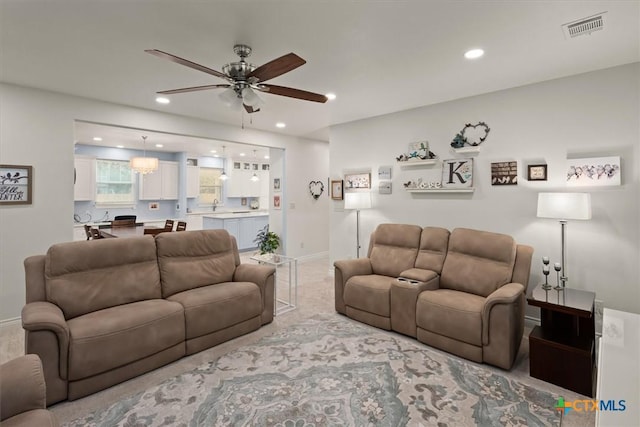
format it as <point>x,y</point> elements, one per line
<point>10,322</point>
<point>532,319</point>
<point>312,257</point>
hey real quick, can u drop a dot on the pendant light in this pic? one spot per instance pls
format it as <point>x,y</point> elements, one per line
<point>223,175</point>
<point>254,178</point>
<point>144,165</point>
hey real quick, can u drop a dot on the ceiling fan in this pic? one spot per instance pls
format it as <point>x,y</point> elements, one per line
<point>244,79</point>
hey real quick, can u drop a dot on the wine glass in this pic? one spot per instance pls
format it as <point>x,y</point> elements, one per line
<point>557,268</point>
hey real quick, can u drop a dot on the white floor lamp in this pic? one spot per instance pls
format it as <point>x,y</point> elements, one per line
<point>357,201</point>
<point>564,206</point>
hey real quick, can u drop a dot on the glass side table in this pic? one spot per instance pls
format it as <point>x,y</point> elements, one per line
<point>285,289</point>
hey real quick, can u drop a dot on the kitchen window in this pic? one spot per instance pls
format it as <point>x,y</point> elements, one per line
<point>210,186</point>
<point>114,183</point>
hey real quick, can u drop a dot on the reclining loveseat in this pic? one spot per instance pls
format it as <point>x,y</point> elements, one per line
<point>461,291</point>
<point>100,312</point>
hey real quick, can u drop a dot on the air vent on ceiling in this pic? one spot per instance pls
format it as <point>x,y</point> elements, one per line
<point>584,26</point>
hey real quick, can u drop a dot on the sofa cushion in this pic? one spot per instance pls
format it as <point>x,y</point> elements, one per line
<point>116,336</point>
<point>478,262</point>
<point>36,417</point>
<point>193,259</point>
<point>434,242</point>
<point>454,314</point>
<point>369,293</point>
<point>83,277</point>
<point>394,248</point>
<point>212,308</point>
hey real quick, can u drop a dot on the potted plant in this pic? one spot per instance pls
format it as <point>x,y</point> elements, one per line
<point>267,241</point>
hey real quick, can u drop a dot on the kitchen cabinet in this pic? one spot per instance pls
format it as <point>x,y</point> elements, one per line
<point>243,228</point>
<point>249,228</point>
<point>84,186</point>
<point>193,181</point>
<point>161,184</point>
<point>239,183</point>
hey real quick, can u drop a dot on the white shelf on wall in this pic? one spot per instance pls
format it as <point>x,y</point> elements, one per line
<point>466,150</point>
<point>410,163</point>
<point>440,190</point>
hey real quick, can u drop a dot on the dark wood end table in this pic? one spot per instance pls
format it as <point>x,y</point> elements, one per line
<point>562,348</point>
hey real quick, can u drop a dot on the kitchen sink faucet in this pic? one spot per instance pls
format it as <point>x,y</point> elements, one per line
<point>215,204</point>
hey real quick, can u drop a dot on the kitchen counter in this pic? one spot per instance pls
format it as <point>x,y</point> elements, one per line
<point>235,214</point>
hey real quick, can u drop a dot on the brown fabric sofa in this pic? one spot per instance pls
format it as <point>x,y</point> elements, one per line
<point>23,394</point>
<point>101,312</point>
<point>461,291</point>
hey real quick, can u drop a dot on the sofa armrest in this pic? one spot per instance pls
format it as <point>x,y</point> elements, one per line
<point>344,270</point>
<point>509,294</point>
<point>264,277</point>
<point>22,386</point>
<point>45,316</point>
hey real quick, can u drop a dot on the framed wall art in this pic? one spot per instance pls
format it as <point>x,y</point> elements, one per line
<point>336,189</point>
<point>593,172</point>
<point>457,173</point>
<point>276,202</point>
<point>276,185</point>
<point>537,172</point>
<point>357,180</point>
<point>16,185</point>
<point>504,173</point>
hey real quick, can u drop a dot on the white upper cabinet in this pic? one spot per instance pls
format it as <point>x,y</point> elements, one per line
<point>193,181</point>
<point>161,184</point>
<point>240,183</point>
<point>84,187</point>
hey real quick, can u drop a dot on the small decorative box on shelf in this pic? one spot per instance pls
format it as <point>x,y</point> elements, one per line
<point>410,163</point>
<point>440,190</point>
<point>466,150</point>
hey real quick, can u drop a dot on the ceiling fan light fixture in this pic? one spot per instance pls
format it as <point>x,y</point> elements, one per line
<point>231,99</point>
<point>251,98</point>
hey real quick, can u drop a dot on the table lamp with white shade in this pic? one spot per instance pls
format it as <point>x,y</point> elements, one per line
<point>563,207</point>
<point>356,201</point>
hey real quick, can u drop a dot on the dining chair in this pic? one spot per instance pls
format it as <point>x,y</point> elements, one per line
<point>154,231</point>
<point>182,226</point>
<point>168,225</point>
<point>123,223</point>
<point>87,231</point>
<point>119,217</point>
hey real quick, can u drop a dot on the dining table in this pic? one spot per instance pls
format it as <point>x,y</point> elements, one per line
<point>125,231</point>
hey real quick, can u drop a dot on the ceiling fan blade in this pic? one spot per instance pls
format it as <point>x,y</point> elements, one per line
<point>277,67</point>
<point>250,109</point>
<point>293,93</point>
<point>191,89</point>
<point>186,62</point>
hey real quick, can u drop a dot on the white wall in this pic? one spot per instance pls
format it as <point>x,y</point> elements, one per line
<point>37,128</point>
<point>589,115</point>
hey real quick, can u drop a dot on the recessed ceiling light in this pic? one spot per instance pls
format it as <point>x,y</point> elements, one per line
<point>266,157</point>
<point>217,155</point>
<point>330,96</point>
<point>159,145</point>
<point>97,138</point>
<point>242,154</point>
<point>473,53</point>
<point>162,100</point>
<point>281,125</point>
<point>119,146</point>
<point>213,151</point>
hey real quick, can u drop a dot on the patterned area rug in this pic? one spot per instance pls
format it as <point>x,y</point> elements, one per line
<point>330,371</point>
